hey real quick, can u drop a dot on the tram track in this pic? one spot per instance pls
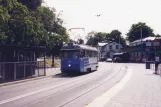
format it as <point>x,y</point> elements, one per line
<point>46,82</point>
<point>92,88</point>
<point>78,85</point>
<point>65,82</point>
<point>85,81</point>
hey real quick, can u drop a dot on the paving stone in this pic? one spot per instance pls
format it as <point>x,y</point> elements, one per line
<point>142,90</point>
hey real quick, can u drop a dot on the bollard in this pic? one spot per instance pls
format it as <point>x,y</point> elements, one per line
<point>147,64</point>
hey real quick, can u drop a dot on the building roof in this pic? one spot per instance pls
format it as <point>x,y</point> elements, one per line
<point>149,38</point>
<point>5,47</point>
<point>102,44</point>
<point>144,39</point>
<point>137,42</point>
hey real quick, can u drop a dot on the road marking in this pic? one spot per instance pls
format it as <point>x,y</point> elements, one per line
<point>104,98</point>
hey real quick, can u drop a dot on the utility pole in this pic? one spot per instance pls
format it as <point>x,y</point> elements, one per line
<point>119,40</point>
<point>141,34</point>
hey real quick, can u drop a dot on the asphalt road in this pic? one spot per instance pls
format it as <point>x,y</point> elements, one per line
<point>63,90</point>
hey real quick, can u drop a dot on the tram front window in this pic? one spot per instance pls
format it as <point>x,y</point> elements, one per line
<point>70,54</point>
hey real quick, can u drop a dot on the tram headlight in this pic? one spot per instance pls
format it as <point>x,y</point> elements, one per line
<point>69,65</point>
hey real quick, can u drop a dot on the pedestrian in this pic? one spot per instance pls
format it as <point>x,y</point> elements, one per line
<point>157,60</point>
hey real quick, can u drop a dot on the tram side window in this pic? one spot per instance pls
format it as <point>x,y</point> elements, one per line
<point>94,54</point>
<point>82,53</point>
<point>86,53</point>
<point>90,54</point>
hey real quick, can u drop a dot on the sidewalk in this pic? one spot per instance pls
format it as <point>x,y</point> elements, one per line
<point>49,73</point>
<point>142,90</point>
<point>52,71</point>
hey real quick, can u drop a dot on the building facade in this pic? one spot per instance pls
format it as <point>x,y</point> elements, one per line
<point>106,50</point>
<point>145,49</point>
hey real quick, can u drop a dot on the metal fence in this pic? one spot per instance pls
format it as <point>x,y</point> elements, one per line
<point>159,69</point>
<point>10,71</point>
<point>152,65</point>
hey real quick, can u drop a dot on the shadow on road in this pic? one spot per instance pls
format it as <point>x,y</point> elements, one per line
<point>65,75</point>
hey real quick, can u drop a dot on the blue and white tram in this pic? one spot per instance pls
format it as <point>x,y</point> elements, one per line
<point>78,58</point>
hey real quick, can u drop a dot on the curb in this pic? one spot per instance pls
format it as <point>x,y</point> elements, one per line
<point>22,81</point>
<point>105,97</point>
<point>28,79</point>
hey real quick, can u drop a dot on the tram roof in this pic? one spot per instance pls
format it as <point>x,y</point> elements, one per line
<point>77,46</point>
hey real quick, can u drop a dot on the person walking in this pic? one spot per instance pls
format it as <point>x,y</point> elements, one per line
<point>157,61</point>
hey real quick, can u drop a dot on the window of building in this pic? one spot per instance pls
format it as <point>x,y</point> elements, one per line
<point>110,46</point>
<point>117,46</point>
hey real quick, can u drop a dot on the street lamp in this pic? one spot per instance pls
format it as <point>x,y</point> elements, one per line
<point>141,36</point>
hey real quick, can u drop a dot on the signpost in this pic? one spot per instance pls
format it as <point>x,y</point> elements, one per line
<point>148,43</point>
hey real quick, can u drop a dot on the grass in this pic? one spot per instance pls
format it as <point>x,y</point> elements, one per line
<point>56,62</point>
<point>49,63</point>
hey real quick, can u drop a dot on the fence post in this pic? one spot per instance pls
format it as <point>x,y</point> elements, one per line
<point>15,72</point>
<point>38,68</point>
<point>3,72</point>
<point>24,69</point>
<point>45,64</point>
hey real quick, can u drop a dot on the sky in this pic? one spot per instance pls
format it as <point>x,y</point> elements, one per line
<point>116,14</point>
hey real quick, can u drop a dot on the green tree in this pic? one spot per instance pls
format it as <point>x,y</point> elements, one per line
<point>115,36</point>
<point>80,41</point>
<point>19,27</point>
<point>29,23</point>
<point>57,34</point>
<point>93,38</point>
<point>136,30</point>
<point>31,4</point>
<point>157,35</point>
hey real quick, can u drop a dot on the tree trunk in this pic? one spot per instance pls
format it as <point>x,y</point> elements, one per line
<point>52,60</point>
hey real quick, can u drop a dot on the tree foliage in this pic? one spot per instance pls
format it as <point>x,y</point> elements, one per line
<point>136,30</point>
<point>20,27</point>
<point>157,35</point>
<point>80,41</point>
<point>115,36</point>
<point>31,4</point>
<point>26,22</point>
<point>93,38</point>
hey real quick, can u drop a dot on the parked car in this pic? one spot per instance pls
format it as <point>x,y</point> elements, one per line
<point>121,57</point>
<point>117,59</point>
<point>102,59</point>
<point>144,60</point>
<point>109,60</point>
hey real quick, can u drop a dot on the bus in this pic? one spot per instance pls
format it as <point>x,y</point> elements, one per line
<point>77,58</point>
